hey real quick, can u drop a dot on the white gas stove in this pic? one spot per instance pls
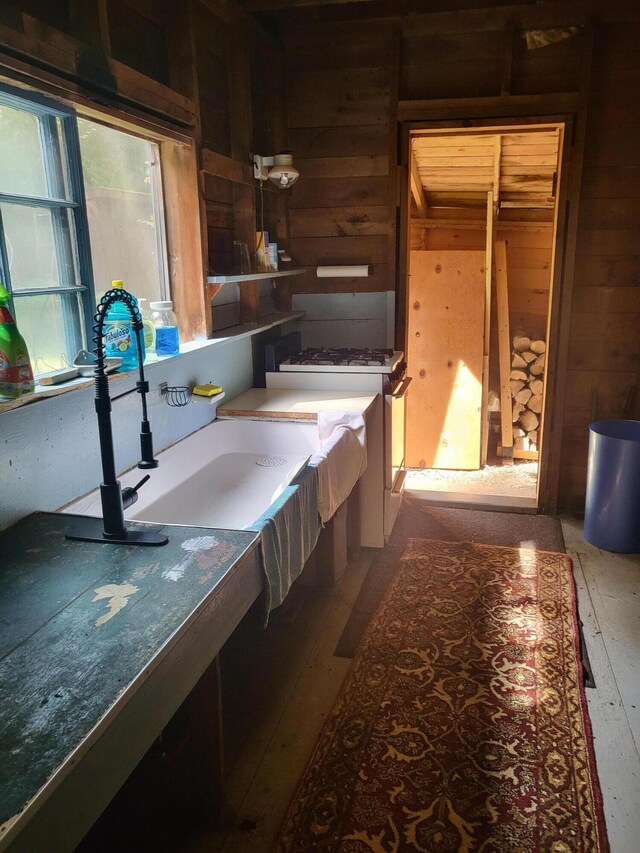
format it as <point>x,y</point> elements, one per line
<point>344,360</point>
<point>376,371</point>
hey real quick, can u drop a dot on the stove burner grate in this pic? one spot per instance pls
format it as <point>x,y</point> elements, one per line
<point>342,356</point>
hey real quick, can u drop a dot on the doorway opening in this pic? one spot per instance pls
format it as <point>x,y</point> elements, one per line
<point>481,250</point>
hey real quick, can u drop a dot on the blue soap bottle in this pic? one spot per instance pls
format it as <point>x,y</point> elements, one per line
<point>119,336</point>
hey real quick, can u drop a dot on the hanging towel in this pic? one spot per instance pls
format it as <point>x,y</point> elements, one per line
<point>289,531</point>
<point>341,460</point>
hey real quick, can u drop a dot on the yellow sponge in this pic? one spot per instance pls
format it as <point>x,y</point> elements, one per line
<point>207,390</point>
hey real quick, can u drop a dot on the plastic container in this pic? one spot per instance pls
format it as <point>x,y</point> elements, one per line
<point>119,335</point>
<point>612,510</point>
<point>16,373</point>
<point>149,332</point>
<point>166,326</point>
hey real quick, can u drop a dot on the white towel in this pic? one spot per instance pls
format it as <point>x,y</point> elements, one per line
<point>341,460</point>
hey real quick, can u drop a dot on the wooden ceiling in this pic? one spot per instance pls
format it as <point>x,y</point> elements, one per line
<point>519,166</point>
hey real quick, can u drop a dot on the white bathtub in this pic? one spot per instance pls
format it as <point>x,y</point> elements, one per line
<point>225,475</point>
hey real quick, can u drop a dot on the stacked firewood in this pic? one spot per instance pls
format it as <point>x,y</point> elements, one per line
<point>527,385</point>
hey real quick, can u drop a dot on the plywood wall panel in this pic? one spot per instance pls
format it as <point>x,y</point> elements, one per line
<point>444,356</point>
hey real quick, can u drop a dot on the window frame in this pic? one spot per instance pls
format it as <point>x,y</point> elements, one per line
<point>48,110</point>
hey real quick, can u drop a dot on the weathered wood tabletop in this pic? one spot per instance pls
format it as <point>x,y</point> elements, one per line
<point>83,624</point>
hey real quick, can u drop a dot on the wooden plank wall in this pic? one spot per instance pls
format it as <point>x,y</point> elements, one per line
<point>202,69</point>
<point>461,55</point>
<point>341,210</point>
<point>604,348</point>
<point>343,80</point>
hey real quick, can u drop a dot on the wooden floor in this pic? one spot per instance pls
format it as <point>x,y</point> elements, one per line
<point>303,678</point>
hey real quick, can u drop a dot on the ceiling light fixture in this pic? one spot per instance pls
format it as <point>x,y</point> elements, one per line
<point>279,169</point>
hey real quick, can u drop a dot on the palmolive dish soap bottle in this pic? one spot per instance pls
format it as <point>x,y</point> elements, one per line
<point>119,336</point>
<point>16,375</point>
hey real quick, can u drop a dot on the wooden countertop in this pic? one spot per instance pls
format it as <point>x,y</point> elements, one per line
<point>97,651</point>
<point>293,404</point>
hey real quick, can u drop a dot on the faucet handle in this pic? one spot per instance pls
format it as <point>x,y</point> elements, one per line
<point>130,493</point>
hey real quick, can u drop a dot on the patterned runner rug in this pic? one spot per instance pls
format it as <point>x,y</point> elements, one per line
<point>462,725</point>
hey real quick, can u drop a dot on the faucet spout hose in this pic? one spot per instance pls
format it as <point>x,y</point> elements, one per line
<point>110,491</point>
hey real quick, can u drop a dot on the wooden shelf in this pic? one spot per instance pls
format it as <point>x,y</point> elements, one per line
<point>252,276</point>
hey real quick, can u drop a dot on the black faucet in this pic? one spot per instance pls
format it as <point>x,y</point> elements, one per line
<point>114,499</point>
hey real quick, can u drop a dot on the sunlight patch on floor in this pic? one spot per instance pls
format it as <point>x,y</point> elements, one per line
<point>518,480</point>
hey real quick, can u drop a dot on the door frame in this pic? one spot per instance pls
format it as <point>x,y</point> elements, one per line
<point>563,260</point>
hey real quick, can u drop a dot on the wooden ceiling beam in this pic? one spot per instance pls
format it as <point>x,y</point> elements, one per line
<point>417,189</point>
<point>480,225</point>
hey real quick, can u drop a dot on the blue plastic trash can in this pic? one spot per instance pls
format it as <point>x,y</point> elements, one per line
<point>612,510</point>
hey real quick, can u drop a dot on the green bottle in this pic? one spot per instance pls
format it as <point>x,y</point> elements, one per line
<point>16,375</point>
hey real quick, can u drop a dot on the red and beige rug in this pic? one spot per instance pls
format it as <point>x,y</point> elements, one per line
<point>462,725</point>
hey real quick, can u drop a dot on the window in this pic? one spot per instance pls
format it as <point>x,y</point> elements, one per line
<point>80,205</point>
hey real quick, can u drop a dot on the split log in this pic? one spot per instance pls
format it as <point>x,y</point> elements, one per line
<point>521,343</point>
<point>538,347</point>
<point>533,436</point>
<point>528,356</point>
<point>535,403</point>
<point>522,443</point>
<point>518,360</point>
<point>516,386</point>
<point>536,369</point>
<point>518,375</point>
<point>536,385</point>
<point>523,396</point>
<point>493,402</point>
<point>518,409</point>
<point>518,432</point>
<point>529,420</point>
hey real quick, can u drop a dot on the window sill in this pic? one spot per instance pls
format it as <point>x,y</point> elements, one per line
<point>222,337</point>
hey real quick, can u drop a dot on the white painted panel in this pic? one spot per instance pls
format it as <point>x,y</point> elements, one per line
<point>341,306</point>
<point>344,319</point>
<point>344,333</point>
<point>318,381</point>
<point>225,316</point>
<point>391,320</point>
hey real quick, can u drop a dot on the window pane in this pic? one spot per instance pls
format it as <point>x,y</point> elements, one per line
<point>52,327</point>
<point>21,164</point>
<point>40,246</point>
<point>121,177</point>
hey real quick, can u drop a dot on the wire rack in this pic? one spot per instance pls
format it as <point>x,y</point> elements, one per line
<point>176,396</point>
